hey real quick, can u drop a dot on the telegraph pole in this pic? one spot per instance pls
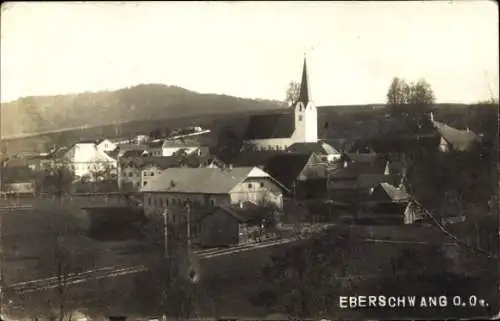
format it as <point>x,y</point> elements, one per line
<point>188,208</point>
<point>165,233</point>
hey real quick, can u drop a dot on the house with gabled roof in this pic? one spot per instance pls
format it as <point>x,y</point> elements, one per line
<point>323,149</point>
<point>85,158</point>
<point>134,171</point>
<point>254,158</point>
<point>388,203</point>
<point>105,145</point>
<point>234,224</point>
<point>292,168</point>
<point>281,130</point>
<point>452,138</point>
<point>210,187</point>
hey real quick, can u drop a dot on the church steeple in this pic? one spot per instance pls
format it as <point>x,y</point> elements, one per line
<point>304,94</point>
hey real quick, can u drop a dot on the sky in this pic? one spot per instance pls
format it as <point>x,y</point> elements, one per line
<point>252,49</point>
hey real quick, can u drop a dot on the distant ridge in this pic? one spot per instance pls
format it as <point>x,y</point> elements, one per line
<point>34,115</point>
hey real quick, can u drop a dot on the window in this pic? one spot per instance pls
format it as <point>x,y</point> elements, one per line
<point>261,184</point>
<point>161,202</point>
<point>149,200</point>
<point>212,202</point>
<point>154,201</point>
<point>145,183</point>
<point>152,173</point>
<point>250,185</point>
<point>300,116</point>
<point>130,174</point>
<point>166,201</point>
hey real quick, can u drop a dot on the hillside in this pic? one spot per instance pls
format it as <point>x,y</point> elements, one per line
<point>31,115</point>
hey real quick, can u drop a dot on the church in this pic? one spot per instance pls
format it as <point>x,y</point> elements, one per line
<point>278,131</point>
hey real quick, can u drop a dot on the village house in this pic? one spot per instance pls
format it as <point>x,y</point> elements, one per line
<point>136,170</point>
<point>291,169</point>
<point>453,139</point>
<point>236,224</point>
<point>155,148</point>
<point>188,146</point>
<point>105,145</point>
<point>356,174</point>
<point>87,160</point>
<point>133,171</point>
<point>281,130</point>
<point>210,187</point>
<point>320,148</point>
<point>388,204</point>
<point>84,158</point>
<point>250,158</point>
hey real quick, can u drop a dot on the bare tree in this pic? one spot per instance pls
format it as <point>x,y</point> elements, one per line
<point>292,93</point>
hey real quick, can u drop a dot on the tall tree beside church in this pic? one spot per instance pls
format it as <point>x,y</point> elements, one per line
<point>292,92</point>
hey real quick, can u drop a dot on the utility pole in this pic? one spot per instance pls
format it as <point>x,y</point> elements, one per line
<point>165,233</point>
<point>188,208</point>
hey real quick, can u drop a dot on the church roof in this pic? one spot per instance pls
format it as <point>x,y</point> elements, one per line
<point>267,126</point>
<point>304,94</point>
<point>280,125</point>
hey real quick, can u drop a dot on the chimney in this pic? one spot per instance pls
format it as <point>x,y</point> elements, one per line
<point>467,129</point>
<point>345,164</point>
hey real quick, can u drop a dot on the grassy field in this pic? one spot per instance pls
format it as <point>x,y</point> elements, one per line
<point>229,282</point>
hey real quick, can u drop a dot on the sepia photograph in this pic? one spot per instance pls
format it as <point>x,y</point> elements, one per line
<point>241,160</point>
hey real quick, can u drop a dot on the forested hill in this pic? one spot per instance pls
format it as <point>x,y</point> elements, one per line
<point>152,101</point>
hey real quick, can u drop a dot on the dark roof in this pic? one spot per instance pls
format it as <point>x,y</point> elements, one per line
<point>360,157</point>
<point>133,153</point>
<point>161,161</point>
<point>286,167</point>
<point>278,125</point>
<point>141,161</point>
<point>155,144</point>
<point>355,169</point>
<point>114,153</point>
<point>372,180</point>
<point>248,212</point>
<point>340,144</point>
<point>387,192</point>
<point>320,148</point>
<point>459,139</point>
<point>193,160</point>
<point>57,154</point>
<point>254,158</point>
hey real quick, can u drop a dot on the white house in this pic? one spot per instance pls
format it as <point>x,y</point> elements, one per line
<point>105,145</point>
<point>210,186</point>
<point>87,159</point>
<point>281,130</point>
<point>172,146</point>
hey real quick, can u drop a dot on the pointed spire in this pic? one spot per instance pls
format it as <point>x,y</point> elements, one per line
<point>304,94</point>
